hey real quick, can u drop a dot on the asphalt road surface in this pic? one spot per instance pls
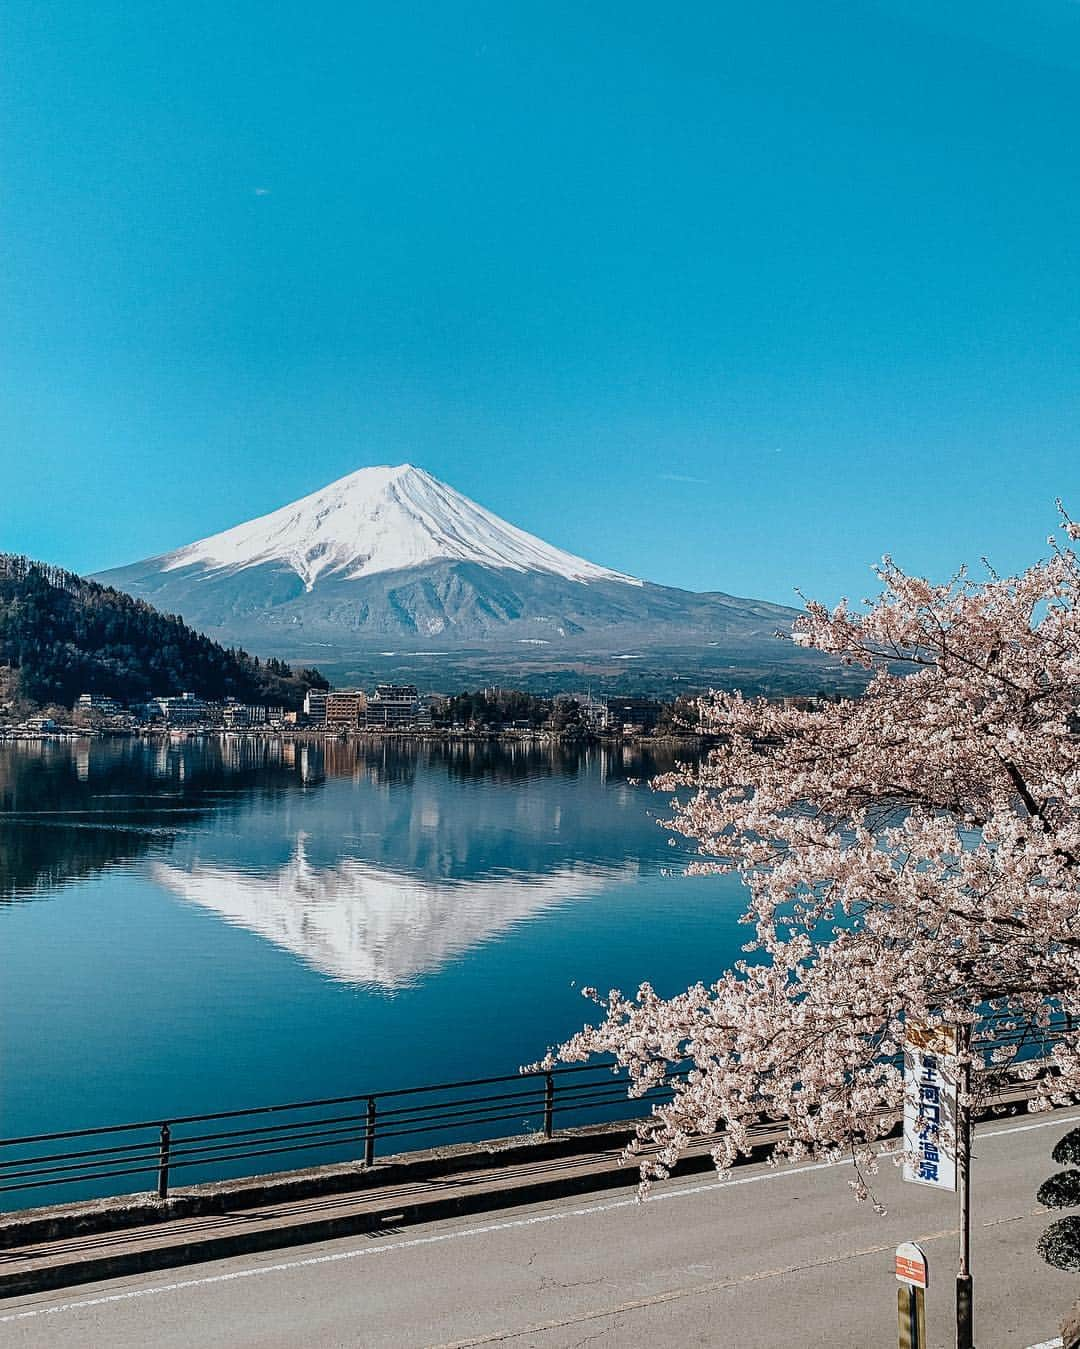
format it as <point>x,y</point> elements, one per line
<point>766,1258</point>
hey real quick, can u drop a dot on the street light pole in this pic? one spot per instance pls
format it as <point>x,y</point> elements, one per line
<point>964,1318</point>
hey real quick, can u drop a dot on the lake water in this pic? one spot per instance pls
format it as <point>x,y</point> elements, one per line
<point>224,923</point>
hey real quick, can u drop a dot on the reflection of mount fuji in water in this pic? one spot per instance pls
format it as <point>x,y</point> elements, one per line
<point>365,924</point>
<point>71,810</point>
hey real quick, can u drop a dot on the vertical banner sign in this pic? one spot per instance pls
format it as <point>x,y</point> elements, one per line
<point>930,1101</point>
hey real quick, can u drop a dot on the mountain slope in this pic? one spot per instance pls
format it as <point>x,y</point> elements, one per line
<point>392,556</point>
<point>457,602</point>
<point>62,636</point>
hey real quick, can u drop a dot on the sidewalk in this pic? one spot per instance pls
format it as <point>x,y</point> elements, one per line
<point>44,1249</point>
<point>53,1248</point>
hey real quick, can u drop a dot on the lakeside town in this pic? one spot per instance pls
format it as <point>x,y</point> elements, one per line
<point>397,708</point>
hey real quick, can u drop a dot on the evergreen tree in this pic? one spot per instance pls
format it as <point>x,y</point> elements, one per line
<point>62,636</point>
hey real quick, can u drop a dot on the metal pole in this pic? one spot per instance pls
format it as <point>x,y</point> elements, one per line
<point>369,1135</point>
<point>549,1105</point>
<point>964,1314</point>
<point>164,1148</point>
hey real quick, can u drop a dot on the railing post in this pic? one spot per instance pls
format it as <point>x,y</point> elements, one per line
<point>369,1136</point>
<point>549,1104</point>
<point>163,1162</point>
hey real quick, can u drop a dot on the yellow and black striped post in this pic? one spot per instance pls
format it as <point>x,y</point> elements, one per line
<point>911,1317</point>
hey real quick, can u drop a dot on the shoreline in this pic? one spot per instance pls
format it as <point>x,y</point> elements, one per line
<point>317,735</point>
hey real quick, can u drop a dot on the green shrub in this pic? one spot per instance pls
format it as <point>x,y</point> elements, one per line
<point>1059,1245</point>
<point>1060,1191</point>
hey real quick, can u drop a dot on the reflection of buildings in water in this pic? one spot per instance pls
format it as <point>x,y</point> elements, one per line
<point>399,760</point>
<point>383,762</point>
<point>312,764</point>
<point>363,924</point>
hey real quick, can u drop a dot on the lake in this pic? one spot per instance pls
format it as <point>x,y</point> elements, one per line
<point>222,923</point>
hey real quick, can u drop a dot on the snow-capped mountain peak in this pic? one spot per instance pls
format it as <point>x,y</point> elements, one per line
<point>378,520</point>
<point>390,555</point>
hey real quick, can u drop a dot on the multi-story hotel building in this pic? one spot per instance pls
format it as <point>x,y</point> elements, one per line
<point>346,708</point>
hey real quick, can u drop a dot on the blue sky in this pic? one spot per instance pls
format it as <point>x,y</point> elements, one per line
<point>730,296</point>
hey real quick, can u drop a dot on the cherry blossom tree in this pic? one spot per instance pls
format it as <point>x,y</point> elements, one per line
<point>911,855</point>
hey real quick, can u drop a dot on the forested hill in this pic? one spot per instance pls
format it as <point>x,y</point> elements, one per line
<point>61,635</point>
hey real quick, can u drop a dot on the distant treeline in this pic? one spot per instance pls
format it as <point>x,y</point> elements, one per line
<point>61,635</point>
<point>505,707</point>
<point>494,707</point>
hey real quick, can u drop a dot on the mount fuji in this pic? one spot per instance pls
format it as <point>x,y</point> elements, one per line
<point>393,556</point>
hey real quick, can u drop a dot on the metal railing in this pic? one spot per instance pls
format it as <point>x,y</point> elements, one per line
<point>341,1128</point>
<point>356,1128</point>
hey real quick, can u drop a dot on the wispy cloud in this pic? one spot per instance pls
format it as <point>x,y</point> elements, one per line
<point>262,191</point>
<point>684,477</point>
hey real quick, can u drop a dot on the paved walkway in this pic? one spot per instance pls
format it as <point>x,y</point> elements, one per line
<point>376,1206</point>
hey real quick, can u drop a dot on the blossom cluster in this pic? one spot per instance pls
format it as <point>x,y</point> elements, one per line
<point>910,855</point>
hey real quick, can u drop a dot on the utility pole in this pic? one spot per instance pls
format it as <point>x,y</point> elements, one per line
<point>964,1318</point>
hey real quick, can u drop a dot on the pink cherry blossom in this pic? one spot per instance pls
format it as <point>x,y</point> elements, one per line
<point>911,854</point>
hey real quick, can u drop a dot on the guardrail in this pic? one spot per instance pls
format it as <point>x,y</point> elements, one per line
<point>356,1128</point>
<point>340,1128</point>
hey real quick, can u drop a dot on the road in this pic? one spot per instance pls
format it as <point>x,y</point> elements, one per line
<point>769,1257</point>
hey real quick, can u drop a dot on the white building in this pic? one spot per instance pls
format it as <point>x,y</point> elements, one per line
<point>97,702</point>
<point>236,716</point>
<point>394,705</point>
<point>186,710</point>
<point>315,705</point>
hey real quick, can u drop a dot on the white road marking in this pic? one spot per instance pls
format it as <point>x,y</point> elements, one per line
<point>1047,1344</point>
<point>1026,1128</point>
<point>357,1253</point>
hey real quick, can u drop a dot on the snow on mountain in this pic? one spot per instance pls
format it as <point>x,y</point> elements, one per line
<point>392,558</point>
<point>382,520</point>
